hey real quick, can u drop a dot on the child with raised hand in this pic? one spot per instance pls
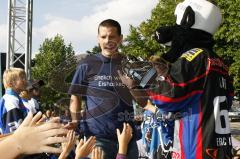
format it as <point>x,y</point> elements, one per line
<point>68,146</point>
<point>123,140</point>
<point>97,153</point>
<point>85,148</point>
<point>12,109</point>
<point>33,137</point>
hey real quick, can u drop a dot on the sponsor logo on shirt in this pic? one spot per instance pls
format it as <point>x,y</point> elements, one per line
<point>107,80</point>
<point>192,54</point>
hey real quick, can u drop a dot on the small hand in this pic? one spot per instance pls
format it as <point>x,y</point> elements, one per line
<point>124,138</point>
<point>71,125</point>
<point>150,107</point>
<point>97,153</point>
<point>32,138</point>
<point>68,146</point>
<point>85,148</point>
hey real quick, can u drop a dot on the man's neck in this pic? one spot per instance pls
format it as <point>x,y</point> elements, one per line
<point>110,55</point>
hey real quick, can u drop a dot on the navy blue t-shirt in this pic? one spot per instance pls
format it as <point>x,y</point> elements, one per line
<point>108,101</point>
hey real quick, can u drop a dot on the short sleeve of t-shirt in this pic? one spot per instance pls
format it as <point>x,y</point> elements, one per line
<point>78,79</point>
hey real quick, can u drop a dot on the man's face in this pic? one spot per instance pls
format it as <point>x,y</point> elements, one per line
<point>109,40</point>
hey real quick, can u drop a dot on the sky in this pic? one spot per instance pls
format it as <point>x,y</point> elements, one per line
<point>77,20</point>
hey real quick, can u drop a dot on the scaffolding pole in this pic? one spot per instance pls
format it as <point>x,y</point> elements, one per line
<point>19,42</point>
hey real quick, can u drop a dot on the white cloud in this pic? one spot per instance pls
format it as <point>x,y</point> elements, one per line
<point>83,32</point>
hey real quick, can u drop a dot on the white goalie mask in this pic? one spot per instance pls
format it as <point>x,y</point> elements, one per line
<point>206,16</point>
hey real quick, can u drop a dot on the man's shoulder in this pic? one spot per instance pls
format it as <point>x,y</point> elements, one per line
<point>89,58</point>
<point>89,61</point>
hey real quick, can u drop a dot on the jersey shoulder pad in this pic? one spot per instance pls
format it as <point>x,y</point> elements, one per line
<point>11,102</point>
<point>192,54</point>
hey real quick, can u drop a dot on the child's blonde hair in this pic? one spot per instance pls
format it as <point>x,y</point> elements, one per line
<point>11,75</point>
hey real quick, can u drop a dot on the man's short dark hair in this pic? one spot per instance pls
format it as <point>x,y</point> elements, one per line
<point>111,23</point>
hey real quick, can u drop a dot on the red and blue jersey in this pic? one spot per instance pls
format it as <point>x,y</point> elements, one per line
<point>199,91</point>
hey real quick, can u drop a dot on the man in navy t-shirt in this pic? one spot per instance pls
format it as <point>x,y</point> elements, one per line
<point>108,102</point>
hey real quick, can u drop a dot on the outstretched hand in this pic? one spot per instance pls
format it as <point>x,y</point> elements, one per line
<point>97,153</point>
<point>124,138</point>
<point>85,148</point>
<point>150,107</point>
<point>32,138</point>
<point>68,146</point>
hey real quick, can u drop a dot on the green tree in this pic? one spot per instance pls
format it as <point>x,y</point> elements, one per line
<point>140,41</point>
<point>228,38</point>
<point>52,64</point>
<point>95,50</point>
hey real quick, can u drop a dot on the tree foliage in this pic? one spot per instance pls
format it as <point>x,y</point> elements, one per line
<point>52,53</point>
<point>140,43</point>
<point>228,38</point>
<point>95,50</point>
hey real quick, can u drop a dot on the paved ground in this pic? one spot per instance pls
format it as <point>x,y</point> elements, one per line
<point>235,130</point>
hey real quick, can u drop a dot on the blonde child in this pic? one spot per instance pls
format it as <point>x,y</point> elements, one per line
<point>12,110</point>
